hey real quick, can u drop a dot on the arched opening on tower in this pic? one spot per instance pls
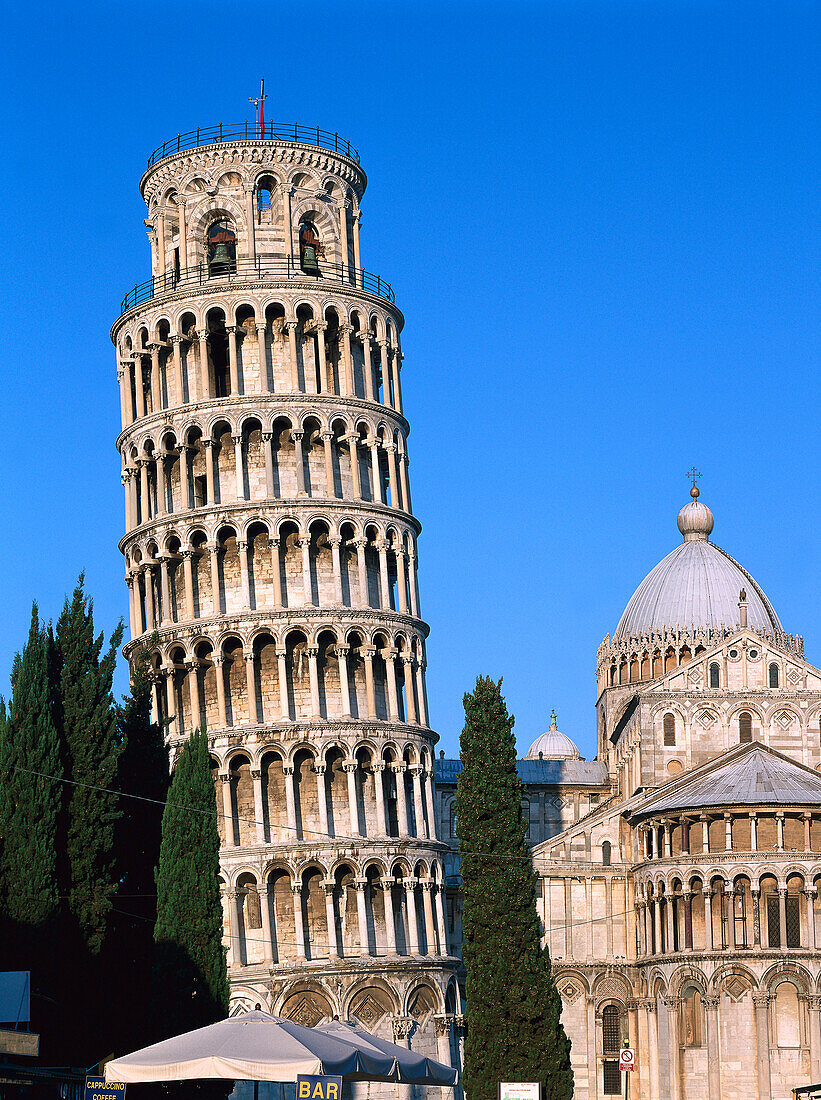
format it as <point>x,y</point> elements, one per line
<point>266,186</point>
<point>218,353</point>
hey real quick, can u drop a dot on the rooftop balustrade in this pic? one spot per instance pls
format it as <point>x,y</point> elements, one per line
<point>249,131</point>
<point>254,270</point>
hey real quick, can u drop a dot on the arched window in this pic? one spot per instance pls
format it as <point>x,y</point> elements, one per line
<point>310,248</point>
<point>787,1016</point>
<point>611,1029</point>
<point>222,249</point>
<point>606,853</point>
<point>773,675</point>
<point>714,676</point>
<point>691,1018</point>
<point>669,730</point>
<point>611,1045</point>
<point>453,819</point>
<point>745,728</point>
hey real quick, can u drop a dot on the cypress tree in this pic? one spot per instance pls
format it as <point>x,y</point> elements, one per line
<point>142,772</point>
<point>514,1031</point>
<point>190,984</point>
<point>87,724</point>
<point>29,810</point>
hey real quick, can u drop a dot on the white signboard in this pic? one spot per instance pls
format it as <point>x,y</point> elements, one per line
<point>627,1058</point>
<point>519,1090</point>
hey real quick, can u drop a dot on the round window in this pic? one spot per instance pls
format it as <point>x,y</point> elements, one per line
<point>733,654</point>
<point>753,654</point>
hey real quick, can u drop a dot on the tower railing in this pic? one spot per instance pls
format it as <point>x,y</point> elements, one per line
<point>249,131</point>
<point>248,270</point>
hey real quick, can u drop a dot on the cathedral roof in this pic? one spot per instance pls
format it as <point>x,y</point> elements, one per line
<point>697,584</point>
<point>573,773</point>
<point>553,745</point>
<point>750,775</point>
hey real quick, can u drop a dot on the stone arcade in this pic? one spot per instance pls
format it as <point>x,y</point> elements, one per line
<point>270,554</point>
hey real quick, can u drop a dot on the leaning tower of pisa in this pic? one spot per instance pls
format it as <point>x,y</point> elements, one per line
<point>271,564</point>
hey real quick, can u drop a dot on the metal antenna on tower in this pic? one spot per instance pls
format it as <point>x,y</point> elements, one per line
<point>259,107</point>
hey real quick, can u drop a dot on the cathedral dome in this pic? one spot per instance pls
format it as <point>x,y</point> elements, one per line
<point>553,745</point>
<point>697,584</point>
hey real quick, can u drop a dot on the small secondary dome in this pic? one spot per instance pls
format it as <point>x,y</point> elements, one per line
<point>553,745</point>
<point>697,584</point>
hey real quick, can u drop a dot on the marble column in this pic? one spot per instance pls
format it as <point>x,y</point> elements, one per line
<point>299,928</point>
<point>710,1005</point>
<point>761,1001</point>
<point>226,779</point>
<point>251,689</point>
<point>220,681</point>
<point>192,668</point>
<point>259,812</point>
<point>353,809</point>
<point>265,915</point>
<point>390,920</point>
<point>290,802</point>
<point>362,916</point>
<point>322,802</point>
<point>330,916</point>
<point>814,1023</point>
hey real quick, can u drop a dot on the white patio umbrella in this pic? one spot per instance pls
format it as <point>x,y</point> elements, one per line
<point>252,1047</point>
<point>410,1067</point>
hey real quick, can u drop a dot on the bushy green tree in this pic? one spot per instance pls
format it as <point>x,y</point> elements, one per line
<point>29,798</point>
<point>86,719</point>
<point>514,1031</point>
<point>190,984</point>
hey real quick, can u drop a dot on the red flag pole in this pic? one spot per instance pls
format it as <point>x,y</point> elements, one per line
<point>262,108</point>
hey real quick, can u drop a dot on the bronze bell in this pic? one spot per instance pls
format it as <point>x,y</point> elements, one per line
<point>309,264</point>
<point>221,261</point>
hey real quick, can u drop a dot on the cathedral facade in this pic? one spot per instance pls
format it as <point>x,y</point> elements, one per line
<point>271,553</point>
<point>679,871</point>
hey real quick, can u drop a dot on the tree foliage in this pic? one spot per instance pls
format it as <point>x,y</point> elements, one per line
<point>190,984</point>
<point>143,781</point>
<point>514,1031</point>
<point>29,801</point>
<point>86,719</point>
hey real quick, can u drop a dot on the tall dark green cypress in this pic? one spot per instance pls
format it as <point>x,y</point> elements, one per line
<point>29,811</point>
<point>86,718</point>
<point>143,780</point>
<point>514,1031</point>
<point>190,984</point>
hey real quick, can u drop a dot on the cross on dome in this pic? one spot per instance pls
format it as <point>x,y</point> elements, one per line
<point>694,475</point>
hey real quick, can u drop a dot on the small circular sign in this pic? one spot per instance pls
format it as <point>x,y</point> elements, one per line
<point>626,1058</point>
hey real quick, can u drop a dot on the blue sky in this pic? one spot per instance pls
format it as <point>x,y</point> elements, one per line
<point>601,222</point>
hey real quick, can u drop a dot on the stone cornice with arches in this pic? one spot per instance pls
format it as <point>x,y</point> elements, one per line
<point>250,158</point>
<point>295,289</point>
<point>295,408</point>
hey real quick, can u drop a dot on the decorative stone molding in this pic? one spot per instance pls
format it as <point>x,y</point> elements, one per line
<point>402,1027</point>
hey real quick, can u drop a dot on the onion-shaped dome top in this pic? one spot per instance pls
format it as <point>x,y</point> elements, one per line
<point>553,745</point>
<point>698,583</point>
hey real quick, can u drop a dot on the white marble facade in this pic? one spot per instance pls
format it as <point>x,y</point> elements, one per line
<point>680,870</point>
